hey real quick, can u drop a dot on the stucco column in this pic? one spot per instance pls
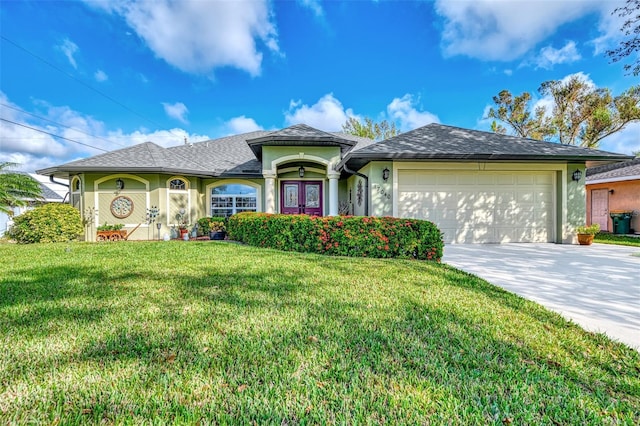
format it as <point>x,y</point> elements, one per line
<point>333,193</point>
<point>270,192</point>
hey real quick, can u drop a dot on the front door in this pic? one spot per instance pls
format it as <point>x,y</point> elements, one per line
<point>600,208</point>
<point>301,197</point>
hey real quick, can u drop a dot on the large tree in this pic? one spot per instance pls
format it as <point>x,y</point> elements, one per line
<point>369,129</point>
<point>631,29</point>
<point>579,113</point>
<point>16,189</point>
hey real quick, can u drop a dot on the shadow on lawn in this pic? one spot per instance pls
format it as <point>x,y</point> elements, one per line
<point>401,369</point>
<point>34,297</point>
<point>308,353</point>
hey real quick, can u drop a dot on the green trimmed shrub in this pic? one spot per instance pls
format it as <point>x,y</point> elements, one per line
<point>356,236</point>
<point>49,223</point>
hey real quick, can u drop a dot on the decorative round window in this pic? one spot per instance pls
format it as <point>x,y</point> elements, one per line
<point>121,207</point>
<point>359,193</point>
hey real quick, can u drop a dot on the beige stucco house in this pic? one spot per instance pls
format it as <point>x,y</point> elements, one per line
<point>478,187</point>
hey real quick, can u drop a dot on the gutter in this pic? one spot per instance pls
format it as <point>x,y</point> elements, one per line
<point>64,200</point>
<point>366,180</point>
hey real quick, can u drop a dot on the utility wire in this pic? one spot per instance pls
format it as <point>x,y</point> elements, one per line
<point>88,86</point>
<point>54,135</point>
<point>59,124</point>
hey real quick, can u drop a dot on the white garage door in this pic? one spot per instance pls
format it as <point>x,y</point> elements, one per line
<point>480,206</point>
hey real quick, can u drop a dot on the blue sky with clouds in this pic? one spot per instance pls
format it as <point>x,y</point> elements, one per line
<point>109,74</point>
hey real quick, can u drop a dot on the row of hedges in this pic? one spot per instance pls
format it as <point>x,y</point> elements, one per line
<point>49,223</point>
<point>340,235</point>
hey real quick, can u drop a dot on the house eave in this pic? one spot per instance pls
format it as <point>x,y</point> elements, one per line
<point>613,179</point>
<point>364,158</point>
<point>52,171</point>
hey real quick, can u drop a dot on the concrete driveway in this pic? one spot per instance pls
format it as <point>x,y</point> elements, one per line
<point>596,286</point>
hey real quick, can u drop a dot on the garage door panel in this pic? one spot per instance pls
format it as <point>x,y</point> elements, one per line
<point>481,207</point>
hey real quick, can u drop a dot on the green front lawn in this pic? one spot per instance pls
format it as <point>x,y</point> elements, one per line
<point>178,332</point>
<point>622,240</point>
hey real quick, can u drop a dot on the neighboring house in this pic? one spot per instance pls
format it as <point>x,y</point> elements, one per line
<point>52,192</point>
<point>476,186</point>
<point>613,187</point>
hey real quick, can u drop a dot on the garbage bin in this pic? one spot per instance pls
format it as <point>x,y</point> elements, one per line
<point>621,221</point>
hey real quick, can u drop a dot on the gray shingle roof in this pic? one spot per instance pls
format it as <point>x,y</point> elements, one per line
<point>440,142</point>
<point>300,135</point>
<point>225,156</point>
<point>621,171</point>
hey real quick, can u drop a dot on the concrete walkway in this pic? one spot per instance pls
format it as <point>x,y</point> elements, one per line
<point>596,286</point>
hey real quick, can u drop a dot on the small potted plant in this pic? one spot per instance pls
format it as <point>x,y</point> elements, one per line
<point>217,230</point>
<point>183,224</point>
<point>586,233</point>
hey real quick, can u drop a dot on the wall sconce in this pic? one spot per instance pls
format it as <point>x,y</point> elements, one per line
<point>119,184</point>
<point>301,172</point>
<point>611,191</point>
<point>577,175</point>
<point>385,174</point>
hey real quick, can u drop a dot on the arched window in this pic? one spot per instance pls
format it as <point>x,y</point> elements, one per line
<point>177,185</point>
<point>229,199</point>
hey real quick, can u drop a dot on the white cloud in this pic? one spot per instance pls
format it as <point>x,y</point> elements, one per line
<point>625,141</point>
<point>549,56</point>
<point>177,111</point>
<point>403,111</point>
<point>327,114</point>
<point>508,72</point>
<point>199,36</point>
<point>314,6</point>
<point>165,138</point>
<point>69,49</point>
<point>101,76</point>
<point>505,30</point>
<point>609,28</point>
<point>241,124</point>
<point>36,150</point>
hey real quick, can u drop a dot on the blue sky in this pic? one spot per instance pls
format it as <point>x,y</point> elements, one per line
<point>111,74</point>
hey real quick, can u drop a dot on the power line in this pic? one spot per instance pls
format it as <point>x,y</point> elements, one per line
<point>59,124</point>
<point>88,86</point>
<point>54,135</point>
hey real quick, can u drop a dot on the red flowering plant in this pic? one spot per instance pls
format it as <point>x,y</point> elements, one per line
<point>381,237</point>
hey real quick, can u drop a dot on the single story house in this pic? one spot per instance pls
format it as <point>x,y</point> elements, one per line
<point>478,187</point>
<point>613,187</point>
<point>52,192</point>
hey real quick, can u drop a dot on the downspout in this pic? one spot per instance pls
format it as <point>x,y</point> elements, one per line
<point>64,200</point>
<point>366,192</point>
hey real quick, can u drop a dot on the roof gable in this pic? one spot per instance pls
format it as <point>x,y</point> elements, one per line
<point>300,135</point>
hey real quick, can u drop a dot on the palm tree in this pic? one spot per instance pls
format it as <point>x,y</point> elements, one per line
<point>16,189</point>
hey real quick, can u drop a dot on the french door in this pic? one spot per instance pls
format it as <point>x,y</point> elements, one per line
<point>301,197</point>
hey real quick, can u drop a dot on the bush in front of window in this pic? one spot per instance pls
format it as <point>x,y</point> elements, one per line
<point>356,236</point>
<point>211,223</point>
<point>49,223</point>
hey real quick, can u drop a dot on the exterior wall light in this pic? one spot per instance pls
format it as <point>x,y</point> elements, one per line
<point>301,172</point>
<point>119,184</point>
<point>385,174</point>
<point>577,175</point>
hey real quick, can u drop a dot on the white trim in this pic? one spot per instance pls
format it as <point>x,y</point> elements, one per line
<point>186,181</point>
<point>257,187</point>
<point>306,169</point>
<point>298,157</point>
<point>187,191</point>
<point>613,180</point>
